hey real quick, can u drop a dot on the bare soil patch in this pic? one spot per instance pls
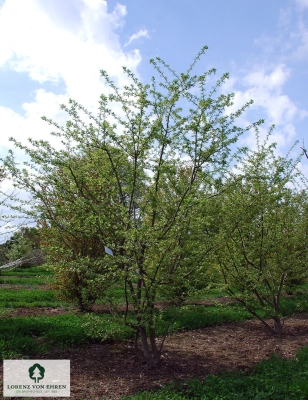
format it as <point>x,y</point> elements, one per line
<point>101,308</point>
<point>35,311</point>
<point>12,286</point>
<point>110,371</point>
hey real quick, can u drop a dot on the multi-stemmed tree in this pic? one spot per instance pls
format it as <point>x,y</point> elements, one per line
<point>261,242</point>
<point>131,181</point>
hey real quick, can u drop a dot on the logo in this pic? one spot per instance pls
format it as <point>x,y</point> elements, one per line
<point>36,372</point>
<point>36,378</point>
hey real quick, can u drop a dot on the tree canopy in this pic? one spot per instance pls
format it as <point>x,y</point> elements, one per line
<point>134,180</point>
<point>261,243</point>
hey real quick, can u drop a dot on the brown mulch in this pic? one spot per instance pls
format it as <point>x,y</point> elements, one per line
<point>13,286</point>
<point>34,311</point>
<point>110,371</point>
<point>101,308</point>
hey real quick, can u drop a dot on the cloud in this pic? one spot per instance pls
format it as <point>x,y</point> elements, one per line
<point>302,3</point>
<point>265,88</point>
<point>297,41</point>
<point>272,81</point>
<point>301,36</point>
<point>31,125</point>
<point>136,36</point>
<point>289,43</point>
<point>49,48</point>
<point>264,85</point>
<point>58,41</point>
<point>55,40</point>
<point>95,4</point>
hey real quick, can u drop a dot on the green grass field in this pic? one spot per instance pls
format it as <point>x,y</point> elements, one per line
<point>29,281</point>
<point>28,298</point>
<point>40,272</point>
<point>26,336</point>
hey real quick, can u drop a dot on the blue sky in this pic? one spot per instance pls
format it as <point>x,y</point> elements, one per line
<point>52,50</point>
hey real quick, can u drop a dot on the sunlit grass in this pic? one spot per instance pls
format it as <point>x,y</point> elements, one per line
<point>26,272</point>
<point>10,298</point>
<point>28,281</point>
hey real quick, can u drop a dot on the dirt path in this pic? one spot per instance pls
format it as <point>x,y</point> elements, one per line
<point>109,371</point>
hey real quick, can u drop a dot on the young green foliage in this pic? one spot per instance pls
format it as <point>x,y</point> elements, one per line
<point>130,180</point>
<point>262,222</point>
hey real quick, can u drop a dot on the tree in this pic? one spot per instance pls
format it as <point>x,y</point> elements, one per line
<point>80,192</point>
<point>2,203</point>
<point>150,161</point>
<point>3,199</point>
<point>263,232</point>
<point>18,246</point>
<point>8,223</point>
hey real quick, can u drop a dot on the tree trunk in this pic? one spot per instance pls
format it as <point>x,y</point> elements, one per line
<point>150,356</point>
<point>136,340</point>
<point>277,325</point>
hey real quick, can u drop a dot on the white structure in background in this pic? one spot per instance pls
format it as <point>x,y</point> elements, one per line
<point>36,257</point>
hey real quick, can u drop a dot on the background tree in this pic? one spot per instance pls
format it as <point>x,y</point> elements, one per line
<point>3,218</point>
<point>80,208</point>
<point>22,249</point>
<point>263,232</point>
<point>18,246</point>
<point>154,156</point>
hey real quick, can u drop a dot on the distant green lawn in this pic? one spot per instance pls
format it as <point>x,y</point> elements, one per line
<point>10,298</point>
<point>26,271</point>
<point>26,281</point>
<point>27,277</point>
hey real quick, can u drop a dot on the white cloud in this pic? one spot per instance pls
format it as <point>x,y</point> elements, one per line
<point>55,40</point>
<point>138,35</point>
<point>31,125</point>
<point>273,80</point>
<point>265,87</point>
<point>301,37</point>
<point>290,40</point>
<point>266,91</point>
<point>48,49</point>
<point>94,3</point>
<point>302,3</point>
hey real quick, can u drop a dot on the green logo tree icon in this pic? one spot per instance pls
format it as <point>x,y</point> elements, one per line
<point>36,372</point>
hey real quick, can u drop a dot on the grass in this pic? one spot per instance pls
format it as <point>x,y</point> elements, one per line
<point>26,272</point>
<point>24,337</point>
<point>116,294</point>
<point>28,298</point>
<point>29,281</point>
<point>273,379</point>
<point>93,327</point>
<point>30,295</point>
<point>21,335</point>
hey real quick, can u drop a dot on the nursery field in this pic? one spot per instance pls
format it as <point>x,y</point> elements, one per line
<point>214,349</point>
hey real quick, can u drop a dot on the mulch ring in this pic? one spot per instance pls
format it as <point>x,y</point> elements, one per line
<point>110,371</point>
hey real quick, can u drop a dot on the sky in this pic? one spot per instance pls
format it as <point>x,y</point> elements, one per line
<point>53,50</point>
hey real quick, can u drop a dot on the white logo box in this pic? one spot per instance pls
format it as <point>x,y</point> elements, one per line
<point>36,378</point>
